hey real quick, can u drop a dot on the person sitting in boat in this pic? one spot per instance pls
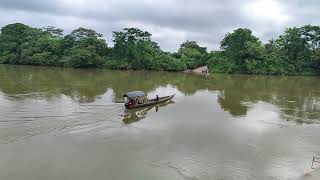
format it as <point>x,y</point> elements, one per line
<point>132,102</point>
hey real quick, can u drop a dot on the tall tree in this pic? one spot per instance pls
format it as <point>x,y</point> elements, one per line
<point>135,46</point>
<point>238,46</point>
<point>84,48</point>
<point>193,54</point>
<point>16,40</point>
<point>53,31</point>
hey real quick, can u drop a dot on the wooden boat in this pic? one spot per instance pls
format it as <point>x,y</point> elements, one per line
<point>146,102</point>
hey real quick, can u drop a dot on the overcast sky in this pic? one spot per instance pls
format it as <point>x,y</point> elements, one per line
<point>170,21</point>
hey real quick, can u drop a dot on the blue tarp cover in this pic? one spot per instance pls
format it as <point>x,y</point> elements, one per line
<point>135,94</point>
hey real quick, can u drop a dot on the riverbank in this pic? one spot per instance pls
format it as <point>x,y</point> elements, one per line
<point>203,70</point>
<point>198,71</point>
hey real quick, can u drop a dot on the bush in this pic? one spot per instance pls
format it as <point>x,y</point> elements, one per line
<point>222,65</point>
<point>167,63</point>
<point>121,64</point>
<point>82,58</point>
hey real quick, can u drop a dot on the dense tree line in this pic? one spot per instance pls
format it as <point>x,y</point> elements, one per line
<point>297,51</point>
<point>84,48</point>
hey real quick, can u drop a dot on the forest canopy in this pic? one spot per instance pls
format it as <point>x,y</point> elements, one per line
<point>296,51</point>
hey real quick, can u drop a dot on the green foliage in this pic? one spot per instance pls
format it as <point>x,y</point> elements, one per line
<point>130,40</point>
<point>84,48</point>
<point>121,64</point>
<point>53,31</point>
<point>165,62</point>
<point>240,46</point>
<point>15,39</point>
<point>82,58</point>
<point>295,52</point>
<point>192,54</point>
<point>21,44</point>
<point>134,49</point>
<point>218,62</point>
<point>272,64</point>
<point>316,58</point>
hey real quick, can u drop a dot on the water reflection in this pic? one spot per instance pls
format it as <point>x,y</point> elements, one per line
<point>297,97</point>
<point>134,115</point>
<point>232,103</point>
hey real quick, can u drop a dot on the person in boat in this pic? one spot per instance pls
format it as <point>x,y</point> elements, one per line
<point>132,102</point>
<point>134,98</point>
<point>157,98</point>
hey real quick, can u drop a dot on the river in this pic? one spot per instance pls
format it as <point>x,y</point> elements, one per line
<point>59,123</point>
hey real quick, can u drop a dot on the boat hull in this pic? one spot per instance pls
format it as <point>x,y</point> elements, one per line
<point>151,102</point>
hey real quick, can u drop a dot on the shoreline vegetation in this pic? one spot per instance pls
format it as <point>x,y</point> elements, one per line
<point>295,52</point>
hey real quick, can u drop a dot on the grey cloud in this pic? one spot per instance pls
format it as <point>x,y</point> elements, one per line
<point>32,5</point>
<point>172,21</point>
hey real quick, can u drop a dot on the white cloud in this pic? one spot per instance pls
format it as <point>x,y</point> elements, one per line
<point>267,10</point>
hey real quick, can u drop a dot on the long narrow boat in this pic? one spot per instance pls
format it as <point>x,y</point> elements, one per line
<point>150,102</point>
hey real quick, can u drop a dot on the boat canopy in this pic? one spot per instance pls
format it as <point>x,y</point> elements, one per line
<point>134,94</point>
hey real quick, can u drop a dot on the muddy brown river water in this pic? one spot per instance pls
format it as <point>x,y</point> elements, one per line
<point>58,123</point>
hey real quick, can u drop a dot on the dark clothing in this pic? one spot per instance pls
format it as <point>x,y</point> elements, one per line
<point>132,102</point>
